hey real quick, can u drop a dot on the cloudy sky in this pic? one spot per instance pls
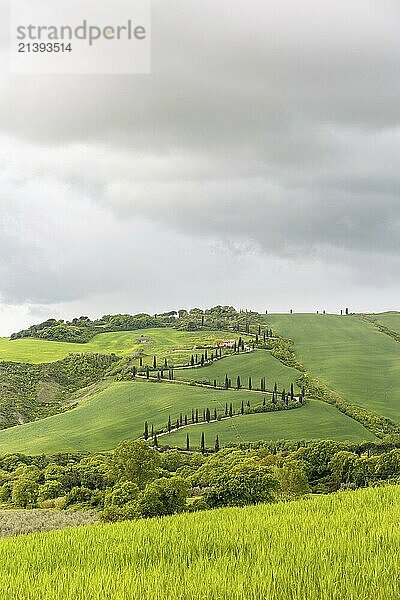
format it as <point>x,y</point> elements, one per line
<point>258,165</point>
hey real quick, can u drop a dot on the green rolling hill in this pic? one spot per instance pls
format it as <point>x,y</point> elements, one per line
<point>176,345</point>
<point>119,411</point>
<point>391,320</point>
<point>350,355</point>
<point>316,420</point>
<point>253,364</point>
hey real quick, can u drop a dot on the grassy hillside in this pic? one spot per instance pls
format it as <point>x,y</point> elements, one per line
<point>342,546</point>
<point>29,392</point>
<point>254,364</point>
<point>176,345</point>
<point>119,412</point>
<point>114,414</point>
<point>391,320</point>
<point>316,420</point>
<point>349,355</point>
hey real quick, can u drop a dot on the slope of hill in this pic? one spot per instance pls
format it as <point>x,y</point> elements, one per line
<point>315,420</point>
<point>342,546</point>
<point>391,320</point>
<point>119,412</point>
<point>29,392</point>
<point>350,355</point>
<point>165,342</point>
<point>256,365</point>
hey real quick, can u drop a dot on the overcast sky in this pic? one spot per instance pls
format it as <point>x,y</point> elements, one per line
<point>258,165</point>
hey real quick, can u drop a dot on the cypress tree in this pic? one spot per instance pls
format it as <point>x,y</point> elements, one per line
<point>239,385</point>
<point>204,415</point>
<point>206,355</point>
<point>230,410</point>
<point>248,403</point>
<point>197,416</point>
<point>202,320</point>
<point>273,398</point>
<point>152,430</point>
<point>192,360</point>
<point>256,338</point>
<point>177,424</point>
<point>146,431</point>
<point>169,424</point>
<point>197,359</point>
<point>158,375</point>
<point>259,330</point>
<point>226,409</point>
<point>140,362</point>
<point>147,372</point>
<point>242,408</point>
<point>186,420</point>
<point>187,442</point>
<point>243,345</point>
<point>291,391</point>
<point>134,371</point>
<point>208,415</point>
<point>264,401</point>
<point>275,387</point>
<point>202,360</point>
<point>192,415</point>
<point>165,364</point>
<point>180,419</point>
<point>215,414</point>
<point>154,362</point>
<point>162,373</point>
<point>217,446</point>
<point>250,384</point>
<point>283,395</point>
<point>215,383</point>
<point>203,443</point>
<point>235,347</point>
<point>226,382</point>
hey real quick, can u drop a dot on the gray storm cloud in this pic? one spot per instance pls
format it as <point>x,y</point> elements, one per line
<point>266,129</point>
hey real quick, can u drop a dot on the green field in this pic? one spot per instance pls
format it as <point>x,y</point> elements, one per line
<point>390,320</point>
<point>177,346</point>
<point>119,411</point>
<point>253,364</point>
<point>349,355</point>
<point>115,414</point>
<point>316,420</point>
<point>337,547</point>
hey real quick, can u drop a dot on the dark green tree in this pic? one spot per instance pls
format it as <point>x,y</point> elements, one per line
<point>202,443</point>
<point>217,446</point>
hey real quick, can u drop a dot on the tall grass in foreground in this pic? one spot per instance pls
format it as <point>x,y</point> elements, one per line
<point>337,547</point>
